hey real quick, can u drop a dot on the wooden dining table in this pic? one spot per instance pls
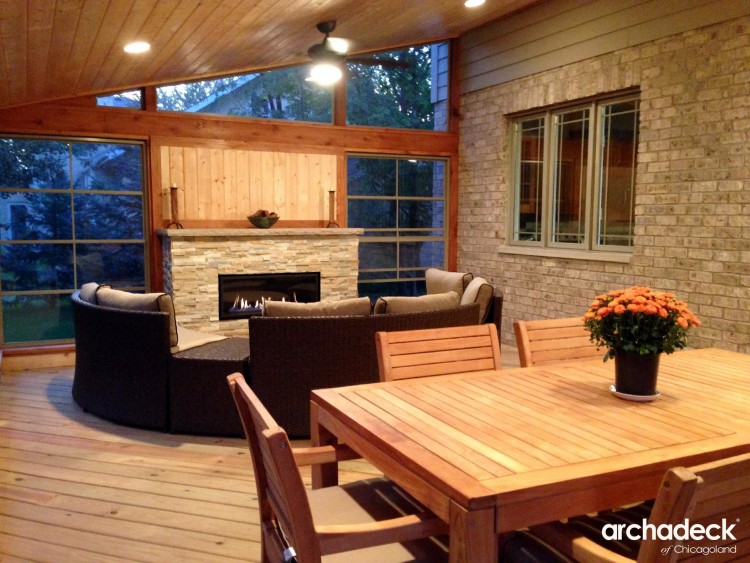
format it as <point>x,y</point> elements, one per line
<point>494,451</point>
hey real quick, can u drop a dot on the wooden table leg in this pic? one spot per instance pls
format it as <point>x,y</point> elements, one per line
<point>324,474</point>
<point>472,535</point>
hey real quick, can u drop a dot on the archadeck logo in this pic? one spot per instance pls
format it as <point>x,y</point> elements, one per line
<point>679,532</point>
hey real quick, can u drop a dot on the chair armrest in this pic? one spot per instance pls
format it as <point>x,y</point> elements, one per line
<point>568,541</point>
<point>324,454</point>
<point>345,537</point>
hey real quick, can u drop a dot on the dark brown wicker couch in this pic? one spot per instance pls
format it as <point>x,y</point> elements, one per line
<point>125,372</point>
<point>291,356</point>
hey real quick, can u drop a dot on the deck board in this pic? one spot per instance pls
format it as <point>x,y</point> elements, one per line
<point>74,487</point>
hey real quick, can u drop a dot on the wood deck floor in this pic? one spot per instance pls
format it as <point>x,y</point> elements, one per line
<point>76,488</point>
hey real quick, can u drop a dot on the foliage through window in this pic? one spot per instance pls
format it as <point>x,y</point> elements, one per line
<point>71,212</point>
<point>405,91</point>
<point>575,176</point>
<point>276,94</point>
<point>401,205</point>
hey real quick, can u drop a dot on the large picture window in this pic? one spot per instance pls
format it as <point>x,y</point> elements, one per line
<point>401,205</point>
<point>574,171</point>
<point>71,212</point>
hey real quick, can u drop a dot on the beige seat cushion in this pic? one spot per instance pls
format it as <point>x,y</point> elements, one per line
<point>188,338</point>
<point>479,291</point>
<point>438,302</point>
<point>117,299</point>
<point>440,281</point>
<point>355,307</point>
<point>369,501</point>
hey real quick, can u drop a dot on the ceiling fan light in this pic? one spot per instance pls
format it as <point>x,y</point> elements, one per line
<point>325,74</point>
<point>473,3</point>
<point>338,44</point>
<point>137,47</point>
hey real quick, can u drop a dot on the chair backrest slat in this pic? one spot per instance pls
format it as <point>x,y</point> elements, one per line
<point>553,341</point>
<point>424,353</point>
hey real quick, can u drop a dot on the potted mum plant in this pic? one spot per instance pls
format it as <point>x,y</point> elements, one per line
<point>637,325</point>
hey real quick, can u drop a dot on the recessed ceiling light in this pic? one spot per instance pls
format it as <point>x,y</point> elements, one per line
<point>473,3</point>
<point>137,47</point>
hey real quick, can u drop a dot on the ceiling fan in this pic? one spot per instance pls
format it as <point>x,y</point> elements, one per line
<point>329,57</point>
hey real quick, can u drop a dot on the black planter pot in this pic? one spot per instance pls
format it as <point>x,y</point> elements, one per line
<point>636,374</point>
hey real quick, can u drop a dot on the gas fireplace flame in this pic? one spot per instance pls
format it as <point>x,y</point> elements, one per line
<point>242,305</point>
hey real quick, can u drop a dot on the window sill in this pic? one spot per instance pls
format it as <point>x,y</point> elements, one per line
<point>567,254</point>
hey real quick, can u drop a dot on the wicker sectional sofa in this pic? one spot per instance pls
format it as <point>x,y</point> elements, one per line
<point>127,372</point>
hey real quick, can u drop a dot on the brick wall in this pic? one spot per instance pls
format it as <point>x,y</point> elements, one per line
<point>692,228</point>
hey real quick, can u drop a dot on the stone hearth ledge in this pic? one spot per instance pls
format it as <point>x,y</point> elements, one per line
<point>194,258</point>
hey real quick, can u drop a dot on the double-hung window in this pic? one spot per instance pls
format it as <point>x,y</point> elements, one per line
<point>574,176</point>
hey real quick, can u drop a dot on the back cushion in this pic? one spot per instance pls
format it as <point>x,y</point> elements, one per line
<point>440,281</point>
<point>440,301</point>
<point>108,297</point>
<point>479,291</point>
<point>357,306</point>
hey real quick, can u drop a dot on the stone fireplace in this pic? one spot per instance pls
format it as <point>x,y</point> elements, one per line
<point>193,259</point>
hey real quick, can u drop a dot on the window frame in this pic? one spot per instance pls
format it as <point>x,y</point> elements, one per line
<point>397,238</point>
<point>592,212</point>
<point>70,191</point>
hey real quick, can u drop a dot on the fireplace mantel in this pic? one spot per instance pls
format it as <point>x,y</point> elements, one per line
<point>252,233</point>
<point>194,258</point>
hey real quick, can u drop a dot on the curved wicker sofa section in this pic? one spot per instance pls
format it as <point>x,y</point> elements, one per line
<point>122,364</point>
<point>291,356</point>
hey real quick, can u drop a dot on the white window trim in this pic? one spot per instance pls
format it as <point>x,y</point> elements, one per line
<point>589,249</point>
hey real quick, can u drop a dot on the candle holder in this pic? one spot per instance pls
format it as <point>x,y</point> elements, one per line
<point>332,209</point>
<point>173,207</point>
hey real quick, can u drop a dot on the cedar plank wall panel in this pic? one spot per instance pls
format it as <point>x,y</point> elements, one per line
<point>554,34</point>
<point>218,184</point>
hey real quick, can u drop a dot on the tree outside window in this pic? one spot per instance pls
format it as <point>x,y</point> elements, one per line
<point>71,212</point>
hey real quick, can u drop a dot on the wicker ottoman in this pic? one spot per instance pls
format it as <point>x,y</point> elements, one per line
<point>200,401</point>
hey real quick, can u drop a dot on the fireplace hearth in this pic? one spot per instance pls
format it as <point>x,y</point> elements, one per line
<point>243,295</point>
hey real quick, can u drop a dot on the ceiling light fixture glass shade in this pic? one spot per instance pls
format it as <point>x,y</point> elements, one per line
<point>325,74</point>
<point>137,47</point>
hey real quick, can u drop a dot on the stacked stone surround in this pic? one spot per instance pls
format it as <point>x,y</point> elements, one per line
<point>194,258</point>
<point>692,227</point>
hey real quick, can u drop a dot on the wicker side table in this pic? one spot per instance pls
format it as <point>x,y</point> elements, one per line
<point>200,401</point>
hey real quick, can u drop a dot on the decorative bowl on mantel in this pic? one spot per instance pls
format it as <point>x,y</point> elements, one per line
<point>263,219</point>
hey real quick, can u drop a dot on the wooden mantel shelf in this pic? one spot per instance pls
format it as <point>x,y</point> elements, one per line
<point>247,233</point>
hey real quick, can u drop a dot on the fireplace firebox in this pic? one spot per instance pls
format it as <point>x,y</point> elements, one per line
<point>242,295</point>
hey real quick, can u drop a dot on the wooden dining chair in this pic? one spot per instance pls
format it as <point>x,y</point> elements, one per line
<point>373,519</point>
<point>437,351</point>
<point>553,341</point>
<point>716,493</point>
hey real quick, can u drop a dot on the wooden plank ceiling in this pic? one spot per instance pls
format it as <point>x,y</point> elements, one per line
<point>53,49</point>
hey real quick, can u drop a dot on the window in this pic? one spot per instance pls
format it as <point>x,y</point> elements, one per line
<point>400,203</point>
<point>131,99</point>
<point>574,171</point>
<point>71,212</point>
<point>408,89</point>
<point>276,94</point>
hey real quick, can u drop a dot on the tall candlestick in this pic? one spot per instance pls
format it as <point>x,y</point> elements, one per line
<point>332,209</point>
